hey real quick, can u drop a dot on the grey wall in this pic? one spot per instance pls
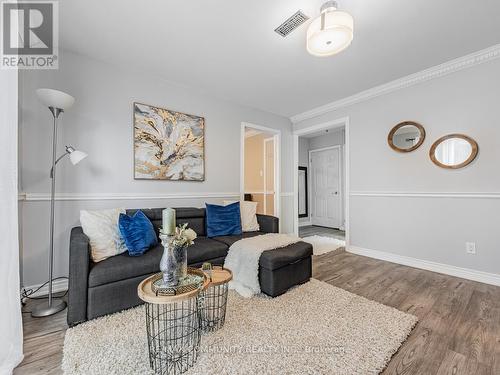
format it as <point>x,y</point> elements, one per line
<point>100,123</point>
<point>427,228</point>
<point>303,152</point>
<point>333,138</point>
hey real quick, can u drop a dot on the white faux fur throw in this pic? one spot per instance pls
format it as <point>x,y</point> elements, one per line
<point>243,260</point>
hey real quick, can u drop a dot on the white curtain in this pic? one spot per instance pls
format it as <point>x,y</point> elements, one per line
<point>11,335</point>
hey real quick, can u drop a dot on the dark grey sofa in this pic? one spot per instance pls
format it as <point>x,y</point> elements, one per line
<point>97,289</point>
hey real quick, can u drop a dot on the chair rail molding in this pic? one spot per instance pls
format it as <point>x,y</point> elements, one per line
<point>476,195</point>
<point>122,196</point>
<point>464,62</point>
<point>464,273</point>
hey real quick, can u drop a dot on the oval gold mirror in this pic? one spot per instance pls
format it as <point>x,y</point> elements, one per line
<point>453,151</point>
<point>406,136</point>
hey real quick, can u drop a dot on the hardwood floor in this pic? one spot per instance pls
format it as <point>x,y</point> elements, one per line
<point>459,320</point>
<point>43,342</point>
<point>458,330</point>
<point>314,230</point>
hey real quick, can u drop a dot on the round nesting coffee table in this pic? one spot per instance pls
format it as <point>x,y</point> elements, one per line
<point>214,297</point>
<point>173,322</point>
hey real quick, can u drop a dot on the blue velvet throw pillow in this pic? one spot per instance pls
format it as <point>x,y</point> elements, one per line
<point>137,232</point>
<point>223,220</point>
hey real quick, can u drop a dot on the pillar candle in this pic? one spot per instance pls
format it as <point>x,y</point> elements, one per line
<point>168,220</point>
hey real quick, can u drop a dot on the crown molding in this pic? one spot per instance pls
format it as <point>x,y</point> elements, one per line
<point>434,72</point>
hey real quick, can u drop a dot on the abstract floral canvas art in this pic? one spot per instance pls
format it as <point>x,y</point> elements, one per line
<point>168,145</point>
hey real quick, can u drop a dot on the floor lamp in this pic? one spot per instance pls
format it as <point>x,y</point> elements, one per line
<point>57,101</point>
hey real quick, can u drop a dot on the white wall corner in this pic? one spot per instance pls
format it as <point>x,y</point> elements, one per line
<point>464,273</point>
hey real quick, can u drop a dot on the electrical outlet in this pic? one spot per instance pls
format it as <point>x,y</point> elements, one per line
<point>470,247</point>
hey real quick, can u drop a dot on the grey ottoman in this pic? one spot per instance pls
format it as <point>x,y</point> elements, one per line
<point>283,268</point>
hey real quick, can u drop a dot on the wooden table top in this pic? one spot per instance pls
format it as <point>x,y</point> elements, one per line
<point>145,292</point>
<point>220,276</point>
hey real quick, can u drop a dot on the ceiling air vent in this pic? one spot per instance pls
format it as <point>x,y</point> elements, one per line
<point>291,23</point>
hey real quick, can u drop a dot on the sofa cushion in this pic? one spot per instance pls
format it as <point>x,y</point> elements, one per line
<point>274,259</point>
<point>205,249</point>
<point>124,266</point>
<point>229,240</point>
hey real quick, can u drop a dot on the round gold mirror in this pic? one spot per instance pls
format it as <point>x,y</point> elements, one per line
<point>453,151</point>
<point>406,136</point>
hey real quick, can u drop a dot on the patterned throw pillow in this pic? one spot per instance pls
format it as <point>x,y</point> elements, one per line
<point>101,227</point>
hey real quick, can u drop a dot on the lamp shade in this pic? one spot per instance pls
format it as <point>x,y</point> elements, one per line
<point>330,33</point>
<point>77,156</point>
<point>55,98</point>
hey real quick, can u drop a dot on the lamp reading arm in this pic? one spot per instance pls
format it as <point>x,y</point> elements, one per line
<point>69,150</point>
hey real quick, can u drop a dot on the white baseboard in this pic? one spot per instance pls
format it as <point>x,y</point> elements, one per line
<point>305,223</point>
<point>57,286</point>
<point>464,273</point>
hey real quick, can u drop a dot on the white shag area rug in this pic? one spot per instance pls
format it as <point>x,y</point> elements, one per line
<point>314,328</point>
<point>322,244</point>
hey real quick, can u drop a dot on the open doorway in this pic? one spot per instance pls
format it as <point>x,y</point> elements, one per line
<point>321,192</point>
<point>260,172</point>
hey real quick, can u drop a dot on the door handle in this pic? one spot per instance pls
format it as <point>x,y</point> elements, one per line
<point>336,193</point>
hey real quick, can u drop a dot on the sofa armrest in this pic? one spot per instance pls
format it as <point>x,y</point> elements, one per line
<point>268,224</point>
<point>79,266</point>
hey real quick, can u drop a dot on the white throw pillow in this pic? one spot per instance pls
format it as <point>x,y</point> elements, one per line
<point>248,213</point>
<point>101,227</point>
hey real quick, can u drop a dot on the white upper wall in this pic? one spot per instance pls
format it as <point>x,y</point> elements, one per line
<point>100,123</point>
<point>433,229</point>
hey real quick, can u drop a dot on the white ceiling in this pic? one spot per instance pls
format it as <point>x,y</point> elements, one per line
<point>229,49</point>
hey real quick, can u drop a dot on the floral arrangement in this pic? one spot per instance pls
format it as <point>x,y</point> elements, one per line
<point>183,236</point>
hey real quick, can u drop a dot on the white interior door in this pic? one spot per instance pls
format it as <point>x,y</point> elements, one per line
<point>325,188</point>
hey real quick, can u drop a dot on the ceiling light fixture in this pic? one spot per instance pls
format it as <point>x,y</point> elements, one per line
<point>331,32</point>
